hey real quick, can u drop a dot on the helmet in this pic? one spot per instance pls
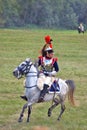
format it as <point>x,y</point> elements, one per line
<point>49,50</point>
<point>48,39</point>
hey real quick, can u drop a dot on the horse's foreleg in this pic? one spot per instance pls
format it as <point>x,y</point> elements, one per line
<point>29,112</point>
<point>56,102</point>
<point>61,112</point>
<point>22,113</point>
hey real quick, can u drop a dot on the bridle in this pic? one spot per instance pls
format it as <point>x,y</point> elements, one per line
<point>30,72</point>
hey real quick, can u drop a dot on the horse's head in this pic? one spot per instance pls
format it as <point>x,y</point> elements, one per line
<point>23,68</point>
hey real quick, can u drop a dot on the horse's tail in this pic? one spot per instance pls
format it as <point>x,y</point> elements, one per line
<point>71,85</point>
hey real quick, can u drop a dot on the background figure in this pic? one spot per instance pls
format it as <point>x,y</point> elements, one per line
<point>81,28</point>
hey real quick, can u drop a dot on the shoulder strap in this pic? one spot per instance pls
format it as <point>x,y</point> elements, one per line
<point>41,58</point>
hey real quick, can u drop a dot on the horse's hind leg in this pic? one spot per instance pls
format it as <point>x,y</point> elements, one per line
<point>61,112</point>
<point>56,102</point>
<point>29,112</point>
<point>22,113</point>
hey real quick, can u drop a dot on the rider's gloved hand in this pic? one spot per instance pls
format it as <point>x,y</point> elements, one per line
<point>53,73</point>
<point>46,73</point>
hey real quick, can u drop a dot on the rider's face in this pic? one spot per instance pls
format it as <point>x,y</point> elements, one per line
<point>50,55</point>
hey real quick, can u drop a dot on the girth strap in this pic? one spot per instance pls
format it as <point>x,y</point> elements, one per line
<point>31,86</point>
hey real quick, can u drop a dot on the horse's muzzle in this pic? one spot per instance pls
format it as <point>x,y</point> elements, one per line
<point>15,73</point>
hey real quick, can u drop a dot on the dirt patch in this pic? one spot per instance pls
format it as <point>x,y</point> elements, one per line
<point>40,128</point>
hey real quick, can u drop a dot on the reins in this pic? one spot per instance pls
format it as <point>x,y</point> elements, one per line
<point>54,93</point>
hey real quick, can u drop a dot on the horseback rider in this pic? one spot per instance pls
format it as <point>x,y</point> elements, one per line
<point>48,64</point>
<point>81,28</point>
<point>49,67</point>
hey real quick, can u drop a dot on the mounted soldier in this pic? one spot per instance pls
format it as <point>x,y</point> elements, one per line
<point>81,28</point>
<point>48,68</point>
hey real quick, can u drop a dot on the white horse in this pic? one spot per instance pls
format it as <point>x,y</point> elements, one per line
<point>32,91</point>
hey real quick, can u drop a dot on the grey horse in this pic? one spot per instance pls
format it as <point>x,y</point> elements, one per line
<point>32,91</point>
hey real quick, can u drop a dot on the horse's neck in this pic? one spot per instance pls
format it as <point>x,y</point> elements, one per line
<point>31,77</point>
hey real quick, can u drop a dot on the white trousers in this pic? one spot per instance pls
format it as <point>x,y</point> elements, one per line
<point>44,80</point>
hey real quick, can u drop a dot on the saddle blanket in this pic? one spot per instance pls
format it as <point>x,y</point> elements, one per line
<point>54,88</point>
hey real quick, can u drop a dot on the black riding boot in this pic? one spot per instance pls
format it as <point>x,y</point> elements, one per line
<point>43,92</point>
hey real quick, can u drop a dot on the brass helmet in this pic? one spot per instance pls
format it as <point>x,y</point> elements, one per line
<point>49,50</point>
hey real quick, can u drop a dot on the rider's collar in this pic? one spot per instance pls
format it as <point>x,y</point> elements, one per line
<point>48,58</point>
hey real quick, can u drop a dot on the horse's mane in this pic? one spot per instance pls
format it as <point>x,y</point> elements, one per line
<point>36,63</point>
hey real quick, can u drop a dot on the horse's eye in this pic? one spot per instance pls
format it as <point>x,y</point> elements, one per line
<point>22,65</point>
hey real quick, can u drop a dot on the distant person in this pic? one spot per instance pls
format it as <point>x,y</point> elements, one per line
<point>81,28</point>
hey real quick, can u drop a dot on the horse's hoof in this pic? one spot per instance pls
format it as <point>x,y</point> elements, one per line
<point>49,113</point>
<point>19,120</point>
<point>28,120</point>
<point>58,119</point>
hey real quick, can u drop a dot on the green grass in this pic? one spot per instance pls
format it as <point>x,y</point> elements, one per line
<point>71,50</point>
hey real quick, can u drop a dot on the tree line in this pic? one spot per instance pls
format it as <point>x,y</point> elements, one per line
<point>64,14</point>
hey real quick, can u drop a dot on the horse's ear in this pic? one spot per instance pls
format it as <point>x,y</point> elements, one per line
<point>27,59</point>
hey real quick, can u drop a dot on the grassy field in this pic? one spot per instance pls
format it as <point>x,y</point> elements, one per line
<point>71,50</point>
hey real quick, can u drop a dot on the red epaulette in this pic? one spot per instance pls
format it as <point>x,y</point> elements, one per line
<point>54,60</point>
<point>40,57</point>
